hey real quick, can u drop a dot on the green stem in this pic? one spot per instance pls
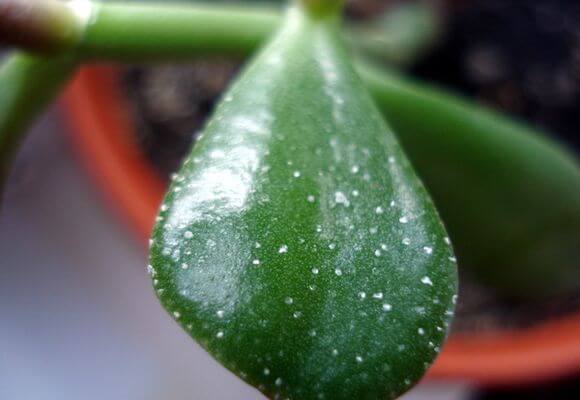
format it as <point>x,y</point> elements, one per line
<point>149,32</point>
<point>144,32</point>
<point>120,32</point>
<point>134,32</point>
<point>28,84</point>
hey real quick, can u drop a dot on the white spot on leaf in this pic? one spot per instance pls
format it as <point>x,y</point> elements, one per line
<point>426,281</point>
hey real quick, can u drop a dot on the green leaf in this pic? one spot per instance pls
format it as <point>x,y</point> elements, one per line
<point>509,196</point>
<point>296,244</point>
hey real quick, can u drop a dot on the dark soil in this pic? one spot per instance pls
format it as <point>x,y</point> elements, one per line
<point>522,57</point>
<point>519,56</point>
<point>171,103</point>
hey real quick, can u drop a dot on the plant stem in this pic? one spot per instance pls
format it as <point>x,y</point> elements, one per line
<point>28,84</point>
<point>150,32</point>
<point>119,32</point>
<point>132,32</point>
<point>143,32</point>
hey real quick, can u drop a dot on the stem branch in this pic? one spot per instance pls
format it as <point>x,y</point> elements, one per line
<point>132,32</point>
<point>29,84</point>
<point>151,32</point>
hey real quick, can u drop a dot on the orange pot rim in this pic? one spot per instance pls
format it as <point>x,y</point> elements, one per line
<point>102,130</point>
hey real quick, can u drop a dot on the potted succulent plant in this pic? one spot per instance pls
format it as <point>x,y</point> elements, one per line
<point>296,230</point>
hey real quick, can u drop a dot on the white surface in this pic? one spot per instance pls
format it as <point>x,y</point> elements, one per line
<point>78,319</point>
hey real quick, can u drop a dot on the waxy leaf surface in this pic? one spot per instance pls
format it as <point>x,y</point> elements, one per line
<point>296,244</point>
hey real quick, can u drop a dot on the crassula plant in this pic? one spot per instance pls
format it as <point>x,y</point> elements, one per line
<point>297,244</point>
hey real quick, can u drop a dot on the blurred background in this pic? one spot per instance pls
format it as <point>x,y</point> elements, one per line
<point>79,319</point>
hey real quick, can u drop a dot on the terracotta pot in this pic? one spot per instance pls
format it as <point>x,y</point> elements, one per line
<point>102,132</point>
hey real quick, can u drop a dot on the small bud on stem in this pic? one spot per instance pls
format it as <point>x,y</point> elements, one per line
<point>320,8</point>
<point>44,26</point>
